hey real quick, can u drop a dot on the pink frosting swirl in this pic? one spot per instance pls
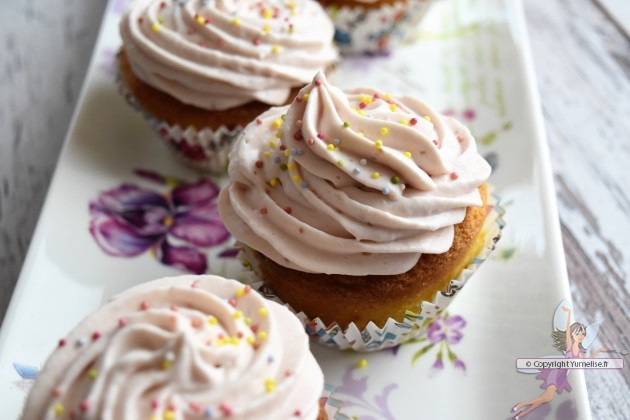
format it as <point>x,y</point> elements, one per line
<point>353,183</point>
<point>223,53</point>
<point>182,348</point>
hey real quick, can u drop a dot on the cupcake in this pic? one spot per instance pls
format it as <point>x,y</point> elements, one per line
<point>374,26</point>
<point>182,348</point>
<point>363,213</point>
<point>199,71</point>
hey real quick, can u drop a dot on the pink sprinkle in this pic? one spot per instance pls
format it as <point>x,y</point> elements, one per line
<point>298,99</point>
<point>56,391</point>
<point>320,136</point>
<point>144,305</point>
<point>362,105</point>
<point>282,147</point>
<point>454,176</point>
<point>288,210</point>
<point>96,335</point>
<point>297,413</point>
<point>174,308</point>
<point>460,138</point>
<point>469,114</point>
<point>258,121</point>
<point>239,334</point>
<point>311,142</point>
<point>225,409</point>
<point>375,96</point>
<point>163,131</point>
<point>62,342</point>
<point>196,322</point>
<point>248,289</point>
<point>254,328</point>
<point>318,82</point>
<point>298,136</point>
<point>259,164</point>
<point>263,210</point>
<point>232,302</point>
<point>195,284</point>
<point>155,404</point>
<point>256,41</point>
<point>85,405</point>
<point>413,121</point>
<point>220,336</point>
<point>195,407</point>
<point>288,372</point>
<point>122,322</point>
<point>435,142</point>
<point>298,123</point>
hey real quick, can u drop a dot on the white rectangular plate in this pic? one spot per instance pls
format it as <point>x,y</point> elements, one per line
<point>471,59</point>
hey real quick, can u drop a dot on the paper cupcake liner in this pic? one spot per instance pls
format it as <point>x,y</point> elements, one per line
<point>205,150</point>
<point>375,30</point>
<point>373,337</point>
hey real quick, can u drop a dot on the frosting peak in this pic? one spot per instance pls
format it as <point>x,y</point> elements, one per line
<point>182,348</point>
<point>221,54</point>
<point>351,183</point>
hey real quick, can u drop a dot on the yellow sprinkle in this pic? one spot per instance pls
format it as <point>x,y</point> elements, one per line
<point>361,112</point>
<point>291,4</point>
<point>166,364</point>
<point>161,19</point>
<point>219,342</point>
<point>272,144</point>
<point>240,292</point>
<point>408,154</point>
<point>376,175</point>
<point>92,374</point>
<point>169,415</point>
<point>212,320</point>
<point>384,131</point>
<point>330,146</point>
<point>267,14</point>
<point>237,314</point>
<point>270,385</point>
<point>388,97</point>
<point>236,21</point>
<point>275,49</point>
<point>235,340</point>
<point>200,20</point>
<point>273,182</point>
<point>340,163</point>
<point>248,320</point>
<point>266,29</point>
<point>378,144</point>
<point>294,12</point>
<point>266,155</point>
<point>262,336</point>
<point>366,99</point>
<point>277,123</point>
<point>426,117</point>
<point>297,178</point>
<point>58,408</point>
<point>305,97</point>
<point>287,153</point>
<point>263,311</point>
<point>362,363</point>
<point>250,340</point>
<point>393,107</point>
<point>279,134</point>
<point>404,122</point>
<point>291,166</point>
<point>156,27</point>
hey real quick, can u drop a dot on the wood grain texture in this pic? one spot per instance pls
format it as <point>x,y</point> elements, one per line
<point>583,65</point>
<point>46,46</point>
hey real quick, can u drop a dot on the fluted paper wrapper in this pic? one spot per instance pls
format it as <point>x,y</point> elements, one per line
<point>376,30</point>
<point>205,149</point>
<point>373,337</point>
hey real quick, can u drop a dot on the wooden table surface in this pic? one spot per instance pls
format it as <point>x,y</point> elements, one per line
<point>582,57</point>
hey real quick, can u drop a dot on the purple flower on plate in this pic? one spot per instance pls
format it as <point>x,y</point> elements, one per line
<point>443,332</point>
<point>448,330</point>
<point>129,220</point>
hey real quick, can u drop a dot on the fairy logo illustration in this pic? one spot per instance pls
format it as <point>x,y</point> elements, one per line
<point>572,339</point>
